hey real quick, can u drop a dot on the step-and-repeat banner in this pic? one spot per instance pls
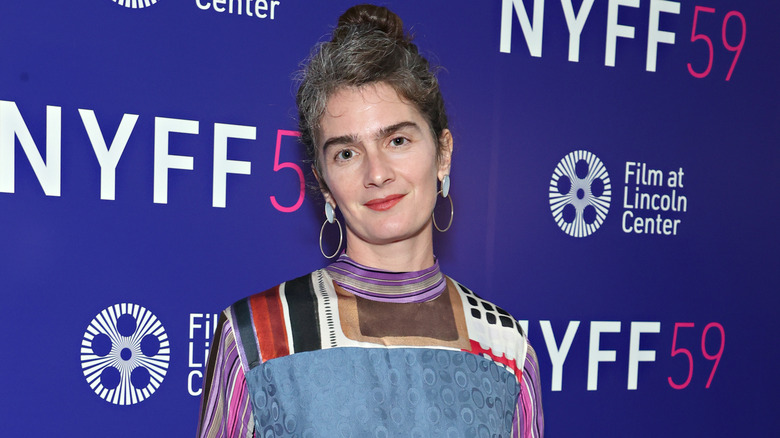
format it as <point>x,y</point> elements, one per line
<point>614,181</point>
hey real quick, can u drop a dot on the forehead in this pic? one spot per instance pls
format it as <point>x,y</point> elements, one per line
<point>363,111</point>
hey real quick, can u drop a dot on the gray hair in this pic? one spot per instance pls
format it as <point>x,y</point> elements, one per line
<point>367,47</point>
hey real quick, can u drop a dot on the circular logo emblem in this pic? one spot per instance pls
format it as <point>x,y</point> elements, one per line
<point>135,4</point>
<point>125,354</point>
<point>580,192</point>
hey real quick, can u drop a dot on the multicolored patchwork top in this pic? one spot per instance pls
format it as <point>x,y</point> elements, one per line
<point>352,351</point>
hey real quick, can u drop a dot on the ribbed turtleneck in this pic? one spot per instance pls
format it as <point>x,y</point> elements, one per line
<point>380,285</point>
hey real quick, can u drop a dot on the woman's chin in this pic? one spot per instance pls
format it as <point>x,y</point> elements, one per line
<point>389,234</point>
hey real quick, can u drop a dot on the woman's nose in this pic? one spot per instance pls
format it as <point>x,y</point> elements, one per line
<point>379,170</point>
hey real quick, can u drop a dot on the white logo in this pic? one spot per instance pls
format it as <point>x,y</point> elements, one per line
<point>125,354</point>
<point>135,4</point>
<point>580,192</point>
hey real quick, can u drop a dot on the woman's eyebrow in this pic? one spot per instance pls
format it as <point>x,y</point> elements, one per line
<point>339,141</point>
<point>388,130</point>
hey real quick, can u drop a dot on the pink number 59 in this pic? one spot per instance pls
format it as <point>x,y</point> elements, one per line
<point>287,165</point>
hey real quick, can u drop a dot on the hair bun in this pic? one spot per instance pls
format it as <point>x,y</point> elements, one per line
<point>378,17</point>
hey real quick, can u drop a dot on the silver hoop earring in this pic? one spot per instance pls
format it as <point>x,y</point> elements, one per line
<point>444,192</point>
<point>330,216</point>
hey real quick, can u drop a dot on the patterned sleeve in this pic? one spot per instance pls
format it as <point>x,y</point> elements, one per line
<point>529,417</point>
<point>225,410</point>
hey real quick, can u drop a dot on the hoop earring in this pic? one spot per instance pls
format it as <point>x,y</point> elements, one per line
<point>330,217</point>
<point>444,192</point>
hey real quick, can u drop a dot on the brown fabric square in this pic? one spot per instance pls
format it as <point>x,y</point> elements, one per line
<point>439,322</point>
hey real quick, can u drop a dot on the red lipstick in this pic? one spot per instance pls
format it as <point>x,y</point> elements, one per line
<point>386,203</point>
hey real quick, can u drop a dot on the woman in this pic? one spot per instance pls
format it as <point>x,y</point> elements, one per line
<point>379,343</point>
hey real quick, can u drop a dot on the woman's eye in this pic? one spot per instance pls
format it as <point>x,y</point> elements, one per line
<point>399,141</point>
<point>345,154</point>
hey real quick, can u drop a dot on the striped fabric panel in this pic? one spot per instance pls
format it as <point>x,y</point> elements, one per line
<point>262,325</point>
<point>529,416</point>
<point>268,318</point>
<point>379,285</point>
<point>245,332</point>
<point>304,316</point>
<point>210,368</point>
<point>225,408</point>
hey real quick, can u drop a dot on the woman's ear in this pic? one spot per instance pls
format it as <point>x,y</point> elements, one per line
<point>445,153</point>
<point>323,187</point>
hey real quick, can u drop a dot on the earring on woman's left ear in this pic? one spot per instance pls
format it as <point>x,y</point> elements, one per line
<point>445,193</point>
<point>330,217</point>
<point>330,214</point>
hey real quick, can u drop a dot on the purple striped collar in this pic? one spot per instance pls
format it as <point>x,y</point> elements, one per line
<point>379,285</point>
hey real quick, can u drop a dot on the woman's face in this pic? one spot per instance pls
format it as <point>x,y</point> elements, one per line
<point>379,162</point>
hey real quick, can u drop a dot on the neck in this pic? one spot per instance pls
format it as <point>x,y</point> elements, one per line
<point>379,285</point>
<point>411,254</point>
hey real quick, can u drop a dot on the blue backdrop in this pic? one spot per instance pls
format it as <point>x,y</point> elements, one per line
<point>613,178</point>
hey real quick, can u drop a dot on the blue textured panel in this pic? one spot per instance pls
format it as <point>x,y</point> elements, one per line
<point>355,392</point>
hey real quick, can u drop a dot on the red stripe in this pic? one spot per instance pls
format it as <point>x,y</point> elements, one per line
<point>276,320</point>
<point>269,323</point>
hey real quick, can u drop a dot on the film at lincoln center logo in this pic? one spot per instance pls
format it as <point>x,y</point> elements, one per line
<point>125,354</point>
<point>135,4</point>
<point>580,192</point>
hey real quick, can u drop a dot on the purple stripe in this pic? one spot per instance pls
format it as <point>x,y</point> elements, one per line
<point>349,266</point>
<point>373,284</point>
<point>239,344</point>
<point>373,278</point>
<point>384,289</point>
<point>529,417</point>
<point>407,298</point>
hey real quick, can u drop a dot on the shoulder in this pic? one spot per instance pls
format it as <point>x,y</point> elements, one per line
<point>263,322</point>
<point>485,311</point>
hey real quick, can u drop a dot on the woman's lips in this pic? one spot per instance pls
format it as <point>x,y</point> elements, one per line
<point>385,203</point>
